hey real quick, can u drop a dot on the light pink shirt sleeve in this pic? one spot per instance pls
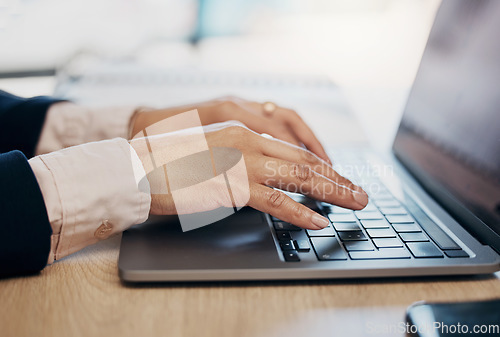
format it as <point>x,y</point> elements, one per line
<point>91,192</point>
<point>68,124</point>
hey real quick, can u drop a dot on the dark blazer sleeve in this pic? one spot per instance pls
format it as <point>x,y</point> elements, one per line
<point>24,225</point>
<point>21,121</point>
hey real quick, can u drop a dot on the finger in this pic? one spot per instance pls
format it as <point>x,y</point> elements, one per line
<point>250,113</point>
<point>301,178</point>
<point>303,133</point>
<point>262,124</point>
<point>277,149</point>
<point>278,204</point>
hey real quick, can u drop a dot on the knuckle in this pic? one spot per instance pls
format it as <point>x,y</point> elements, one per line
<point>295,114</point>
<point>236,129</point>
<point>229,105</point>
<point>230,98</point>
<point>235,122</point>
<point>275,198</point>
<point>303,172</point>
<point>297,211</point>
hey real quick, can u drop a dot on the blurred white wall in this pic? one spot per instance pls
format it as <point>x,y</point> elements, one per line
<point>45,33</point>
<point>356,41</point>
<point>371,48</point>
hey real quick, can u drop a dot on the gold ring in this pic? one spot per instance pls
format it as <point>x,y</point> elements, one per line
<point>269,108</point>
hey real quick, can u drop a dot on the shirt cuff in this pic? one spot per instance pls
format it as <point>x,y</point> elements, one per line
<point>91,192</point>
<point>68,124</point>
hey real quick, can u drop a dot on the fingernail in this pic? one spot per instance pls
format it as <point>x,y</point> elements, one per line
<point>360,196</point>
<point>319,221</point>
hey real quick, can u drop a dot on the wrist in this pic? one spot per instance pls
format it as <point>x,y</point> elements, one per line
<point>137,121</point>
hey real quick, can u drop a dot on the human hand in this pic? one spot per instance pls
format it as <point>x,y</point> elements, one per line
<point>269,164</point>
<point>279,122</point>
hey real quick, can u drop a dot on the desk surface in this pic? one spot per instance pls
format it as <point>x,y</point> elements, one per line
<point>82,296</point>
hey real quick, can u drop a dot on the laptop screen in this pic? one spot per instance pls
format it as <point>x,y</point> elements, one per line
<point>449,137</point>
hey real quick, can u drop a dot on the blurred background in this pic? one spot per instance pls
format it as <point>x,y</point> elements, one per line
<point>370,49</point>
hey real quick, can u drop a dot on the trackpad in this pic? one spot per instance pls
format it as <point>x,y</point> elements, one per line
<point>242,240</point>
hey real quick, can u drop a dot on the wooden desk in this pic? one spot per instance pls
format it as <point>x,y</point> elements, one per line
<point>83,296</point>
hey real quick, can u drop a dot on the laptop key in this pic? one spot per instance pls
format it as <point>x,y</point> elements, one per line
<point>348,217</point>
<point>338,210</point>
<point>383,253</point>
<point>346,226</point>
<point>399,219</point>
<point>382,195</point>
<point>424,249</point>
<point>406,227</point>
<point>370,207</point>
<point>375,223</point>
<point>387,243</point>
<point>328,249</point>
<point>291,256</point>
<point>287,245</point>
<point>393,210</point>
<point>381,233</point>
<point>439,236</point>
<point>282,235</point>
<point>387,203</point>
<point>368,215</point>
<point>327,231</point>
<point>302,245</point>
<point>431,228</point>
<point>285,226</point>
<point>456,253</point>
<point>413,237</point>
<point>352,236</point>
<point>323,204</point>
<point>358,245</point>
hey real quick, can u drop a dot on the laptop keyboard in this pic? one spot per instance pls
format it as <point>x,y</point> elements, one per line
<point>384,229</point>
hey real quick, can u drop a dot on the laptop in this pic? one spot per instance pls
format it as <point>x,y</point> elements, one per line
<point>434,199</point>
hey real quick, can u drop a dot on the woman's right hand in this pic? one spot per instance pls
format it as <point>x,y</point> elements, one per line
<point>171,161</point>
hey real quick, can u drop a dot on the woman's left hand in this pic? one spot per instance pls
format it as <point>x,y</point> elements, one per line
<point>279,122</point>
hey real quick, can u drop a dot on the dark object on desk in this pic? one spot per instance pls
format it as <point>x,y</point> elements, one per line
<point>454,319</point>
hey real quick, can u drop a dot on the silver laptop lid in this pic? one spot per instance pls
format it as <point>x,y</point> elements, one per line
<point>449,137</point>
